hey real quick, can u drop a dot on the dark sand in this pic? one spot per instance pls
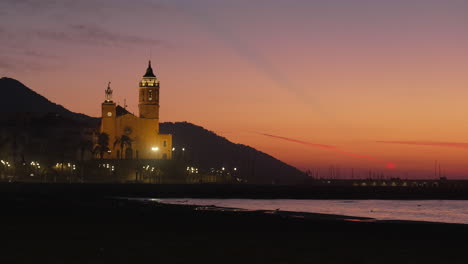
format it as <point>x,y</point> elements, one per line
<point>92,229</point>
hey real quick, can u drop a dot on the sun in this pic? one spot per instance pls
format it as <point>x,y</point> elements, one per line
<point>390,165</point>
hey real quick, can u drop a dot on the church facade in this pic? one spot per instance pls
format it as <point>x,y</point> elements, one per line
<point>136,137</point>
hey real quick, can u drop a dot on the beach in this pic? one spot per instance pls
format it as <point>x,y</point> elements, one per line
<point>101,229</point>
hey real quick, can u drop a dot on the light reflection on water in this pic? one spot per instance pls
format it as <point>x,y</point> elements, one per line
<point>447,211</point>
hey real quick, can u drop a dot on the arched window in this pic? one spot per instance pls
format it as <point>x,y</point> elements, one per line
<point>150,95</point>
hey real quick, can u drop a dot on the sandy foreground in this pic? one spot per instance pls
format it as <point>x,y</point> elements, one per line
<point>83,229</point>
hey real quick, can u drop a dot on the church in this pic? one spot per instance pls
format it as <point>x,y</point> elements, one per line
<point>136,137</point>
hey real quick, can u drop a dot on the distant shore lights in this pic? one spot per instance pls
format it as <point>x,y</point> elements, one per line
<point>5,163</point>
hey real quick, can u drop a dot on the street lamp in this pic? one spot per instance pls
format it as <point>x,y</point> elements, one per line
<point>155,149</point>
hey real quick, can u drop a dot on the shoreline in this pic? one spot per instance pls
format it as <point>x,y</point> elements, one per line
<point>282,213</point>
<point>301,214</point>
<point>372,210</point>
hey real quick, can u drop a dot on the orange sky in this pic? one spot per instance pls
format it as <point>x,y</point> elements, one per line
<point>328,72</point>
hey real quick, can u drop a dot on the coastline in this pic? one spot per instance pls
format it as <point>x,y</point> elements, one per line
<point>438,211</point>
<point>91,229</point>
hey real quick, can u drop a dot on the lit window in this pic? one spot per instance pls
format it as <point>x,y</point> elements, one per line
<point>150,95</point>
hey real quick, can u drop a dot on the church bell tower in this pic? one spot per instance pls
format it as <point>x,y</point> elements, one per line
<point>108,115</point>
<point>149,95</point>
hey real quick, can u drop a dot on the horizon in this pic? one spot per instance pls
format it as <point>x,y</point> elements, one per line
<point>315,85</point>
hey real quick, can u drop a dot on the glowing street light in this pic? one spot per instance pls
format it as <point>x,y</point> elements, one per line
<point>154,148</point>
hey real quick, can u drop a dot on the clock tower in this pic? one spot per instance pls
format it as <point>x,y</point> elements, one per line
<point>108,114</point>
<point>149,95</point>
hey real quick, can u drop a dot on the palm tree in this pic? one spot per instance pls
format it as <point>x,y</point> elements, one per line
<point>102,145</point>
<point>85,146</point>
<point>123,142</point>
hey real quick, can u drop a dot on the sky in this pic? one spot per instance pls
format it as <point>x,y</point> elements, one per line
<point>363,84</point>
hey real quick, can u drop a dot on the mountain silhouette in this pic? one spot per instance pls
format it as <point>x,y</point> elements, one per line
<point>202,148</point>
<point>208,150</point>
<point>17,98</point>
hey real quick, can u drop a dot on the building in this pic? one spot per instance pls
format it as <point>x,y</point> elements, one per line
<point>136,137</point>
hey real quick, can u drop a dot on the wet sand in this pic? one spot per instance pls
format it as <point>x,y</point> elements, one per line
<point>92,229</point>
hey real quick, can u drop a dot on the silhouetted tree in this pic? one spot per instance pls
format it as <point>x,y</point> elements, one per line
<point>102,145</point>
<point>85,146</point>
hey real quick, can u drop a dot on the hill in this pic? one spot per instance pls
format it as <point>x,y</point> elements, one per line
<point>208,150</point>
<point>203,148</point>
<point>17,98</point>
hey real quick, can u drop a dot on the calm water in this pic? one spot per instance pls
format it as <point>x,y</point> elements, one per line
<point>433,211</point>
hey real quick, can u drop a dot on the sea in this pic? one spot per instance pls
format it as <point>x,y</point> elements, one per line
<point>444,211</point>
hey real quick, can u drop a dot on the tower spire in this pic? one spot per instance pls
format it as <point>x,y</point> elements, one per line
<point>149,71</point>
